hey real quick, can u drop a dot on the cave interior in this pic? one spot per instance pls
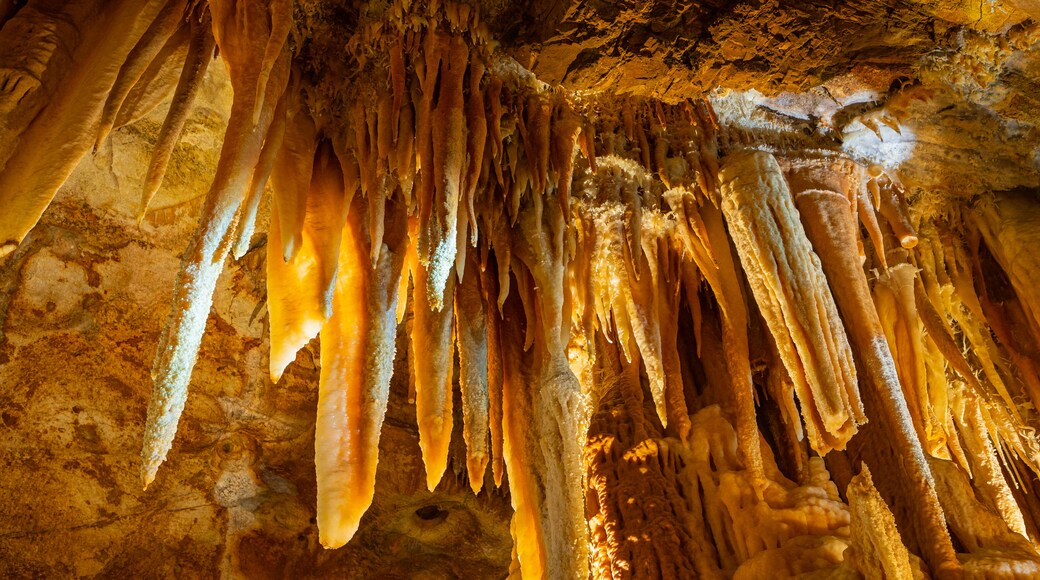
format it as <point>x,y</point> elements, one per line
<point>535,289</point>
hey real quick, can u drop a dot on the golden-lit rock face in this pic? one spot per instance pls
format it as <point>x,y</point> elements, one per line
<point>529,289</point>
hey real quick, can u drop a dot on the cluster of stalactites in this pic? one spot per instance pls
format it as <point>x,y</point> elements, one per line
<point>944,358</point>
<point>570,253</point>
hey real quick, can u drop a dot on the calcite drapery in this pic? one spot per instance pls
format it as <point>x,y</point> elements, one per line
<point>822,190</point>
<point>793,294</point>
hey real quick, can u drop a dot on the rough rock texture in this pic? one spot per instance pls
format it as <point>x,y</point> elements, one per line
<point>81,306</point>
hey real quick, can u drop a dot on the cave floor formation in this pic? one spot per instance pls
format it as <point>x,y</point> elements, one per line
<point>437,289</point>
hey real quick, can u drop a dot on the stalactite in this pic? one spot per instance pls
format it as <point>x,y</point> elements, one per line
<point>790,288</point>
<point>147,50</point>
<point>157,80</point>
<point>729,292</point>
<point>780,388</point>
<point>894,296</point>
<point>357,356</point>
<point>829,220</point>
<point>1018,342</point>
<point>892,205</point>
<point>520,451</point>
<point>447,164</point>
<point>291,178</point>
<point>300,292</point>
<point>614,215</point>
<point>956,303</point>
<point>264,166</point>
<point>242,38</point>
<point>1008,227</point>
<point>561,411</point>
<point>200,52</point>
<point>432,335</point>
<point>67,99</point>
<point>982,461</point>
<point>471,334</point>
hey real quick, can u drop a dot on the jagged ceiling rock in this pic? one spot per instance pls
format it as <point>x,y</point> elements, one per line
<point>957,74</point>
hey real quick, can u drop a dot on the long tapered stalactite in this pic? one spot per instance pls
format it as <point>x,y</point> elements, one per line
<point>357,352</point>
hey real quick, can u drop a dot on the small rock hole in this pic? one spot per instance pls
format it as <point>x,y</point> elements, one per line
<point>431,513</point>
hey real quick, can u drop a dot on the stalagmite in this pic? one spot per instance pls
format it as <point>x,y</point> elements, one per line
<point>790,288</point>
<point>877,550</point>
<point>760,524</point>
<point>357,361</point>
<point>242,37</point>
<point>564,239</point>
<point>634,498</point>
<point>993,549</point>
